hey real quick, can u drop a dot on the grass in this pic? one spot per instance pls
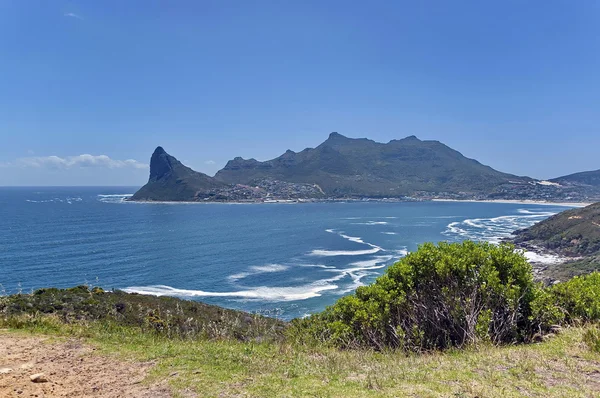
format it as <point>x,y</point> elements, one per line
<point>562,366</point>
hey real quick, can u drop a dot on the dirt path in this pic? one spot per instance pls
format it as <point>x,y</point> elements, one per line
<point>71,370</point>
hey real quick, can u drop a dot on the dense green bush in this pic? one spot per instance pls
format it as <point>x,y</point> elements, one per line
<point>440,296</point>
<point>574,301</point>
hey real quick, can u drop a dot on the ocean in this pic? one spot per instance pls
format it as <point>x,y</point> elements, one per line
<point>283,260</point>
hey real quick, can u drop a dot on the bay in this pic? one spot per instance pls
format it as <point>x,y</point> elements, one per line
<point>284,260</point>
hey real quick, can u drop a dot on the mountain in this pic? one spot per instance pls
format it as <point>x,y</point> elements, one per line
<point>571,233</point>
<point>343,166</point>
<point>590,178</point>
<point>170,180</point>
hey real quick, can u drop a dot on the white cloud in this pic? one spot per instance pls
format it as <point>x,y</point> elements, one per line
<point>85,160</point>
<point>73,15</point>
<point>210,162</point>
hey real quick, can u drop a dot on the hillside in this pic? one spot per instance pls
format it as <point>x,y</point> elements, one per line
<point>112,356</point>
<point>571,233</point>
<point>170,180</point>
<point>589,178</point>
<point>344,166</point>
<point>574,234</point>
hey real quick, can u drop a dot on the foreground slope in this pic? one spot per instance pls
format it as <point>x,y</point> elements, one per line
<point>344,166</point>
<point>106,358</point>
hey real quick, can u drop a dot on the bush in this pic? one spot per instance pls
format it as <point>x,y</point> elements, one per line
<point>441,296</point>
<point>574,301</point>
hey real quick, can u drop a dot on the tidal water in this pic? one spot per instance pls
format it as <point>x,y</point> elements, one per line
<point>284,260</point>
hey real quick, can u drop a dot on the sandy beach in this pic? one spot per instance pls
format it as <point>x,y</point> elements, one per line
<point>523,202</point>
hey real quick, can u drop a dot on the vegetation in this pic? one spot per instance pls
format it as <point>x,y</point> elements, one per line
<point>564,365</point>
<point>590,178</point>
<point>165,316</point>
<point>344,166</point>
<point>441,296</point>
<point>468,299</point>
<point>571,233</point>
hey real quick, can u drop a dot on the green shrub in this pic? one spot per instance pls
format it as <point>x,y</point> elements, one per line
<point>440,296</point>
<point>574,301</point>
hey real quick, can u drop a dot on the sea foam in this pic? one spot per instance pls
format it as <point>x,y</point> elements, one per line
<point>258,293</point>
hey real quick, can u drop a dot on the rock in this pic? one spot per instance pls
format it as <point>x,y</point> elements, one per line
<point>38,378</point>
<point>5,371</point>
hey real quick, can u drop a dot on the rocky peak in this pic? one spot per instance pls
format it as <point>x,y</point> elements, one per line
<point>160,164</point>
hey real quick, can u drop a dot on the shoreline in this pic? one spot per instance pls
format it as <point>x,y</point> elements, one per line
<point>283,201</point>
<point>519,202</point>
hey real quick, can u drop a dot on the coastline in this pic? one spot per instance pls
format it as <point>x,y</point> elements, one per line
<point>519,202</point>
<point>304,201</point>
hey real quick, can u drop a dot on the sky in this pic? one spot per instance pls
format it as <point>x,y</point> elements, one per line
<point>89,88</point>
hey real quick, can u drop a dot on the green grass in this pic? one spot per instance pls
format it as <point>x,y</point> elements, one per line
<point>561,366</point>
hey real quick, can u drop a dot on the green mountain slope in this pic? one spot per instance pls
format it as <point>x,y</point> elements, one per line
<point>574,234</point>
<point>591,178</point>
<point>343,166</point>
<point>570,233</point>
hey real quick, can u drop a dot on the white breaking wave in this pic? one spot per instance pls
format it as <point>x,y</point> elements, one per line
<point>494,229</point>
<point>114,198</point>
<point>68,200</point>
<point>390,233</point>
<point>259,293</point>
<point>330,253</point>
<point>371,223</point>
<point>258,269</point>
<point>542,258</point>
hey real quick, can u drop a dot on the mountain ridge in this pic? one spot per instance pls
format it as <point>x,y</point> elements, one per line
<point>352,168</point>
<point>345,166</point>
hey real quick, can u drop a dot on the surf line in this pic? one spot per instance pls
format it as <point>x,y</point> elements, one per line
<point>329,253</point>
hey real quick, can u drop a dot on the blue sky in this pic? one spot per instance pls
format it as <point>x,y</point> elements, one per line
<point>513,84</point>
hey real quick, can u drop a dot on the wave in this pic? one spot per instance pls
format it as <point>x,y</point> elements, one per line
<point>542,258</point>
<point>68,200</point>
<point>372,223</point>
<point>114,198</point>
<point>259,293</point>
<point>361,269</point>
<point>494,229</point>
<point>390,233</point>
<point>330,253</point>
<point>258,269</point>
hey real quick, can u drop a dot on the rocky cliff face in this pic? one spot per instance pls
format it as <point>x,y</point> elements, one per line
<point>170,180</point>
<point>161,164</point>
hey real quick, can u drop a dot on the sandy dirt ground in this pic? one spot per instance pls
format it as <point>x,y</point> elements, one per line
<point>70,369</point>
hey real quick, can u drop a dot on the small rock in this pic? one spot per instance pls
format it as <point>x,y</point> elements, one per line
<point>5,370</point>
<point>38,378</point>
<point>26,366</point>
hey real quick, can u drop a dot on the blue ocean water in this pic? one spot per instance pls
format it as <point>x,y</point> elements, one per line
<point>284,260</point>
